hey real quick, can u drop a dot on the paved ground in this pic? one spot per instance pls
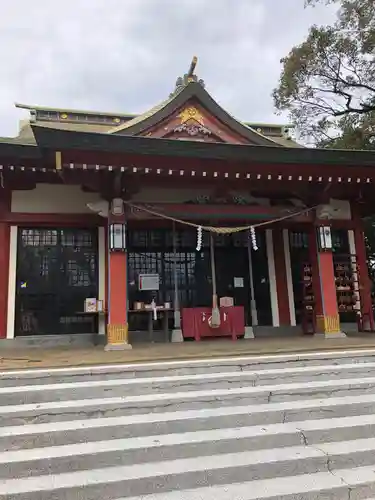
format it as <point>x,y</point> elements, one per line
<point>15,358</point>
<point>219,430</point>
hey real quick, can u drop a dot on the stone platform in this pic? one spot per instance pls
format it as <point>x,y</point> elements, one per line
<point>41,357</point>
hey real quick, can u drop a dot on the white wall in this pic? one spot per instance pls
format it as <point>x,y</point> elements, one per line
<point>272,278</point>
<point>101,271</point>
<point>53,199</point>
<point>12,282</point>
<point>289,279</point>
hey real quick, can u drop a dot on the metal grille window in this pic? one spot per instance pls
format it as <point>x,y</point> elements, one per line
<point>340,241</point>
<point>299,254</point>
<point>299,239</point>
<point>36,238</point>
<point>152,252</point>
<point>56,272</point>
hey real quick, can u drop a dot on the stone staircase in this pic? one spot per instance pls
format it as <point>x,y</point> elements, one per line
<point>283,427</point>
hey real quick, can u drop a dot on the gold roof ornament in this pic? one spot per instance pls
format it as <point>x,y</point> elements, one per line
<point>189,77</point>
<point>191,113</point>
<point>190,74</point>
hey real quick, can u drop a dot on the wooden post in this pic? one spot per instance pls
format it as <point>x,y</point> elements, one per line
<point>281,278</point>
<point>364,280</point>
<point>4,262</point>
<point>326,309</point>
<point>117,328</point>
<point>176,332</point>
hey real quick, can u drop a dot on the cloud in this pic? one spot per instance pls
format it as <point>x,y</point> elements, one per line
<point>125,55</point>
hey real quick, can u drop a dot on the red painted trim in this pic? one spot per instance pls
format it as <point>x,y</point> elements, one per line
<point>118,292</point>
<point>44,219</point>
<point>313,251</point>
<point>327,277</point>
<point>118,283</point>
<point>281,278</point>
<point>84,220</point>
<point>342,224</point>
<point>364,279</point>
<point>323,278</point>
<point>210,165</point>
<point>166,127</point>
<point>4,261</point>
<point>4,276</point>
<point>184,211</point>
<point>106,265</point>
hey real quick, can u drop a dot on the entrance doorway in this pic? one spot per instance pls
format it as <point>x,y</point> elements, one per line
<point>56,271</point>
<point>151,252</point>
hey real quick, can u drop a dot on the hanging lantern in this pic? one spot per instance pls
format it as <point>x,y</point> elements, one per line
<point>199,238</point>
<point>253,238</point>
<point>117,237</point>
<point>324,238</point>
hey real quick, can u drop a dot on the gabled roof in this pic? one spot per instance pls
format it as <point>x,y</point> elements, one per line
<point>192,91</point>
<point>50,139</point>
<point>188,88</point>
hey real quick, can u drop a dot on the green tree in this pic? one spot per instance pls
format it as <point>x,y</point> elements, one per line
<point>327,83</point>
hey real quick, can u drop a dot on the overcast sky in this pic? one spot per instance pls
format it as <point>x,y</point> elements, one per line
<point>125,55</point>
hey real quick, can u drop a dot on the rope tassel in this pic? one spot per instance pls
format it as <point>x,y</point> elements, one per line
<point>253,238</point>
<point>199,238</point>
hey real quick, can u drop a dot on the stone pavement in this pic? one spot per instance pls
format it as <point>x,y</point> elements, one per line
<point>234,429</point>
<point>38,357</point>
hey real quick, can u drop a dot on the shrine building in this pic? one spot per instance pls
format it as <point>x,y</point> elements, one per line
<point>180,223</point>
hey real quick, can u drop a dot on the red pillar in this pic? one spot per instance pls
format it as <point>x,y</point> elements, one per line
<point>4,277</point>
<point>117,328</point>
<point>313,254</point>
<point>326,310</point>
<point>364,282</point>
<point>363,278</point>
<point>281,277</point>
<point>4,262</point>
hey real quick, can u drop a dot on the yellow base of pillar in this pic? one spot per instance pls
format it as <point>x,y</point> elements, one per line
<point>117,337</point>
<point>329,326</point>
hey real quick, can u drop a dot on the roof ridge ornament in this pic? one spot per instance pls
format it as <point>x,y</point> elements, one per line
<point>188,77</point>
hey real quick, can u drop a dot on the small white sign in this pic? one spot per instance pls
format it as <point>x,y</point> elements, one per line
<point>226,302</point>
<point>150,282</point>
<point>90,305</point>
<point>238,282</point>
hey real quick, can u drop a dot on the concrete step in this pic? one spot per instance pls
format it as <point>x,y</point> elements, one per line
<point>186,367</point>
<point>280,434</point>
<point>226,416</point>
<point>199,434</point>
<point>158,397</point>
<point>263,375</point>
<point>39,455</point>
<point>270,473</point>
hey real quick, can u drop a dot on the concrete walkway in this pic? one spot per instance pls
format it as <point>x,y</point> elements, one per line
<point>71,356</point>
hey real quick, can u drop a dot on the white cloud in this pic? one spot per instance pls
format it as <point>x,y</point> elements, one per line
<point>125,55</point>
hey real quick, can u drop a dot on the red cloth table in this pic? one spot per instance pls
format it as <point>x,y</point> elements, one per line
<point>196,322</point>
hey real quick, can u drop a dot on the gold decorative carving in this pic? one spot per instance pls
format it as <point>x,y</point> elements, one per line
<point>191,113</point>
<point>58,160</point>
<point>117,334</point>
<point>328,324</point>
